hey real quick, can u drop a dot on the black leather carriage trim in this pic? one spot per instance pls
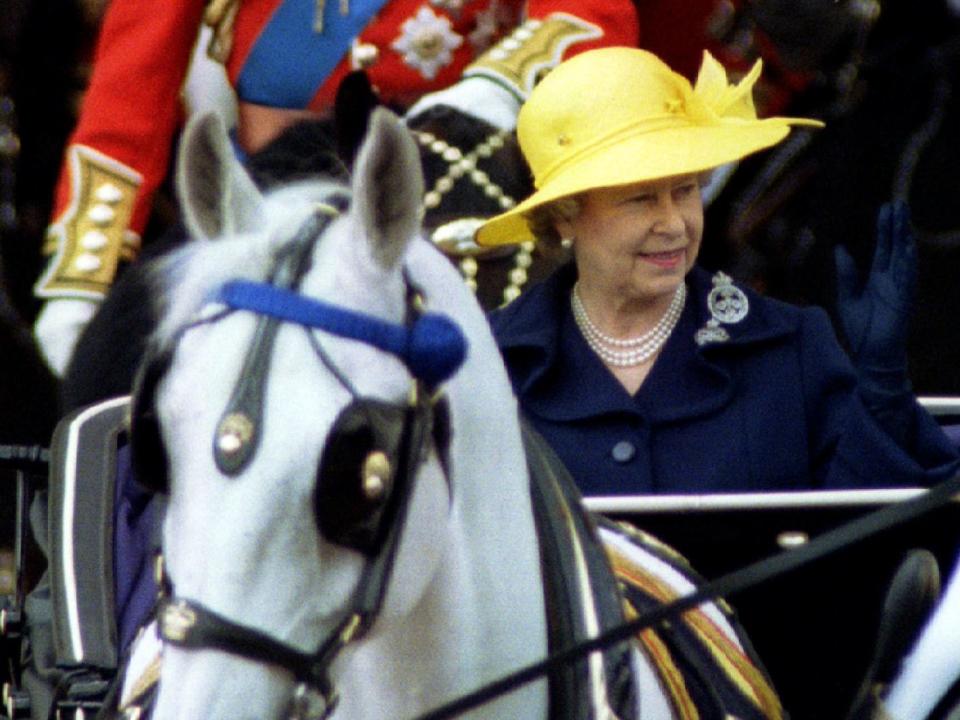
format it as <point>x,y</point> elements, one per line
<point>566,530</point>
<point>83,456</point>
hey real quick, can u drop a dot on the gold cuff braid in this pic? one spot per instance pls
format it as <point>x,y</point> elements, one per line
<point>520,60</point>
<point>92,235</point>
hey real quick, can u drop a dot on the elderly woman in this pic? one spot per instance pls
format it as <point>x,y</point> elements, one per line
<point>646,373</point>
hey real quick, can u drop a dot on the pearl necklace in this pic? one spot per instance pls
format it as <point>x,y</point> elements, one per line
<point>628,352</point>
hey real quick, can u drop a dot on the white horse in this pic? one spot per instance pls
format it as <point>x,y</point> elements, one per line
<point>297,590</point>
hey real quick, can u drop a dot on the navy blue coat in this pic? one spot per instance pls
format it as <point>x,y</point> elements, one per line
<point>773,407</point>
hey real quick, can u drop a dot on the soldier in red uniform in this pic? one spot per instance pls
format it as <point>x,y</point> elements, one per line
<point>284,59</point>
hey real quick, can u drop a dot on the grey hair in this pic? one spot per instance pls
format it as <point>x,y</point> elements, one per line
<point>543,219</point>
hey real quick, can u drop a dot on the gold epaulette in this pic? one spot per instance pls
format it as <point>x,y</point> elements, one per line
<point>92,235</point>
<point>520,60</point>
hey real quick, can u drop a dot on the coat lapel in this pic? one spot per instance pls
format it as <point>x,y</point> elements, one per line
<point>559,378</point>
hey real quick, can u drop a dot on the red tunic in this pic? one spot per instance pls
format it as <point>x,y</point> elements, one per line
<point>132,108</point>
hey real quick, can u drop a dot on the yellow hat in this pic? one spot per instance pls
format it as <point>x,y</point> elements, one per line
<point>619,115</point>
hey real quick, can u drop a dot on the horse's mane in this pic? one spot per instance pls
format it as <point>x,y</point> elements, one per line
<point>303,151</point>
<point>185,279</point>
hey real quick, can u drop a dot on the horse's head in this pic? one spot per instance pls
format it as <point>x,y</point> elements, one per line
<point>292,416</point>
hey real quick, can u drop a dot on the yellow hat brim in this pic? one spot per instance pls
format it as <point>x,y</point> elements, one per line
<point>649,156</point>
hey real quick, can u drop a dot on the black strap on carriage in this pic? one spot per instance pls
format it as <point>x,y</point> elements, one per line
<point>69,624</point>
<point>573,560</point>
<point>81,522</point>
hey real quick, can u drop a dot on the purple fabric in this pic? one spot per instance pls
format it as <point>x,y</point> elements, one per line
<point>952,432</point>
<point>135,533</point>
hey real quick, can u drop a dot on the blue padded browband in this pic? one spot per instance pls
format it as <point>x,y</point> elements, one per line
<point>433,348</point>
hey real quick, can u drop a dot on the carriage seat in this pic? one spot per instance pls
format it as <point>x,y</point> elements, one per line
<point>103,531</point>
<point>101,535</point>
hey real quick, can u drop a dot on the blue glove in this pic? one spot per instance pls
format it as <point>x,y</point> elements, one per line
<point>875,314</point>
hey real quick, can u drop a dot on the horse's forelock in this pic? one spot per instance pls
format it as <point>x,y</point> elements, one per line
<point>186,278</point>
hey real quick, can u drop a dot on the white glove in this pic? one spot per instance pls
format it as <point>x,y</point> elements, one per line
<point>475,96</point>
<point>58,328</point>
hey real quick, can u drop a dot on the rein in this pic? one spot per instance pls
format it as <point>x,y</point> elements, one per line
<point>433,348</point>
<point>828,543</point>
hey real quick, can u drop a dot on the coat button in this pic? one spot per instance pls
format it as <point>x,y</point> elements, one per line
<point>623,451</point>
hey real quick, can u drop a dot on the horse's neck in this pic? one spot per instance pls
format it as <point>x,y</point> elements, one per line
<point>483,615</point>
<point>469,629</point>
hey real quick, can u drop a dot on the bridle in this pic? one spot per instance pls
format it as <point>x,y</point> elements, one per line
<point>367,469</point>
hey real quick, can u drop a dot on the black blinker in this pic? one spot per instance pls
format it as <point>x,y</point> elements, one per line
<point>357,475</point>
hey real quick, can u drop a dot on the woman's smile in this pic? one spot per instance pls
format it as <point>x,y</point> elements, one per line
<point>665,259</point>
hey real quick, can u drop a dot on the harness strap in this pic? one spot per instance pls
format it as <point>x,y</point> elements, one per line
<point>187,624</point>
<point>239,429</point>
<point>761,571</point>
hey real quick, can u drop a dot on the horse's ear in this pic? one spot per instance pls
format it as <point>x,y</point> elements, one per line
<point>217,196</point>
<point>355,102</point>
<point>388,186</point>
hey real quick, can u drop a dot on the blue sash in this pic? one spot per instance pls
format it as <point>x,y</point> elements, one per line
<point>290,61</point>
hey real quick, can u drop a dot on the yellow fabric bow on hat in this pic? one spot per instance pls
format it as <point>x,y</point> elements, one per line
<point>721,98</point>
<point>714,98</point>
